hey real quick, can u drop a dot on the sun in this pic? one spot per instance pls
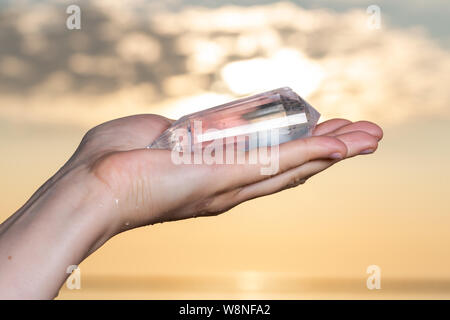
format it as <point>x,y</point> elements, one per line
<point>286,68</point>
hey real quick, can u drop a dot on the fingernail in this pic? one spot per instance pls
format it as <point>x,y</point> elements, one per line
<point>367,151</point>
<point>336,156</point>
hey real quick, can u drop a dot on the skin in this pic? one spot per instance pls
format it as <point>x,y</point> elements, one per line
<point>113,183</point>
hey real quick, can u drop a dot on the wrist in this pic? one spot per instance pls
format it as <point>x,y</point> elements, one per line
<point>68,220</point>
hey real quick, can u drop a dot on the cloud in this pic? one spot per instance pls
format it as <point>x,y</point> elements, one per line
<point>135,58</point>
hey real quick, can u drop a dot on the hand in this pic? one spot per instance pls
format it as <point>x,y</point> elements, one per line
<point>147,187</point>
<point>113,183</point>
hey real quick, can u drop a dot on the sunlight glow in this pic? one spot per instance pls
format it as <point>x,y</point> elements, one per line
<point>250,281</point>
<point>287,67</point>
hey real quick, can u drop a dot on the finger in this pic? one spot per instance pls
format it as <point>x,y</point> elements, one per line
<point>290,155</point>
<point>285,180</point>
<point>330,126</point>
<point>366,126</point>
<point>358,142</point>
<point>150,126</point>
<point>143,129</point>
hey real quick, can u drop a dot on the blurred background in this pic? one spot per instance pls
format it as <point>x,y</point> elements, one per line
<point>174,57</point>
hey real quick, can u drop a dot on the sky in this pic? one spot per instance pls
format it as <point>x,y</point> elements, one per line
<point>124,61</point>
<point>177,57</point>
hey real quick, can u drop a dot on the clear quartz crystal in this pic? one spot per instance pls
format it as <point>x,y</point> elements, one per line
<point>256,118</point>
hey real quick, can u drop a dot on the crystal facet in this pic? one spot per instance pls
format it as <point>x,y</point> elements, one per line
<point>281,111</point>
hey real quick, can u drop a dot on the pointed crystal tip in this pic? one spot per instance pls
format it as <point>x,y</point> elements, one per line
<point>314,116</point>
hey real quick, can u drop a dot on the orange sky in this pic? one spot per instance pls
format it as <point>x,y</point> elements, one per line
<point>390,209</point>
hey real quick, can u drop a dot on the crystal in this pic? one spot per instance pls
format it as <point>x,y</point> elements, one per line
<point>279,114</point>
